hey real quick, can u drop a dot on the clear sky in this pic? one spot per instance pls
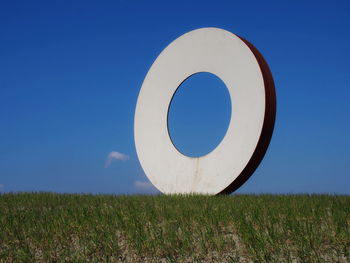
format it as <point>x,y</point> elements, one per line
<point>70,73</point>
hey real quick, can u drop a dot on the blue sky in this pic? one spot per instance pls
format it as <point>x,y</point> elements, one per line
<point>70,73</point>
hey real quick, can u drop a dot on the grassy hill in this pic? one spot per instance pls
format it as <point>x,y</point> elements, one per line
<point>45,227</point>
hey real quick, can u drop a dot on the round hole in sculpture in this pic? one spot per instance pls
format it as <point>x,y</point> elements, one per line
<point>199,114</point>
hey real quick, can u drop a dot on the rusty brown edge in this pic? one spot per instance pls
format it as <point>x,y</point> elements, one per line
<point>268,125</point>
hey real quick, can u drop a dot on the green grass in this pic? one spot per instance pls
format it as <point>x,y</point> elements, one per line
<point>45,227</point>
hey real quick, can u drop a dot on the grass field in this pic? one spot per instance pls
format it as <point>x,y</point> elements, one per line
<point>45,227</point>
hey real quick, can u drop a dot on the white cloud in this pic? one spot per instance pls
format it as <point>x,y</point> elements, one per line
<point>115,156</point>
<point>145,186</point>
<point>2,187</point>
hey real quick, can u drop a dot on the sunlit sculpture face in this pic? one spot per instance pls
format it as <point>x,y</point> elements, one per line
<point>249,81</point>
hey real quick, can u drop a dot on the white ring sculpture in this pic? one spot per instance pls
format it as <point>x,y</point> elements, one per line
<point>249,81</point>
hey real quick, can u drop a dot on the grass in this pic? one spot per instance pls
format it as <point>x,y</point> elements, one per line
<point>46,227</point>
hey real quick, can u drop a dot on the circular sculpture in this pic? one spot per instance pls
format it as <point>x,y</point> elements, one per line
<point>249,81</point>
